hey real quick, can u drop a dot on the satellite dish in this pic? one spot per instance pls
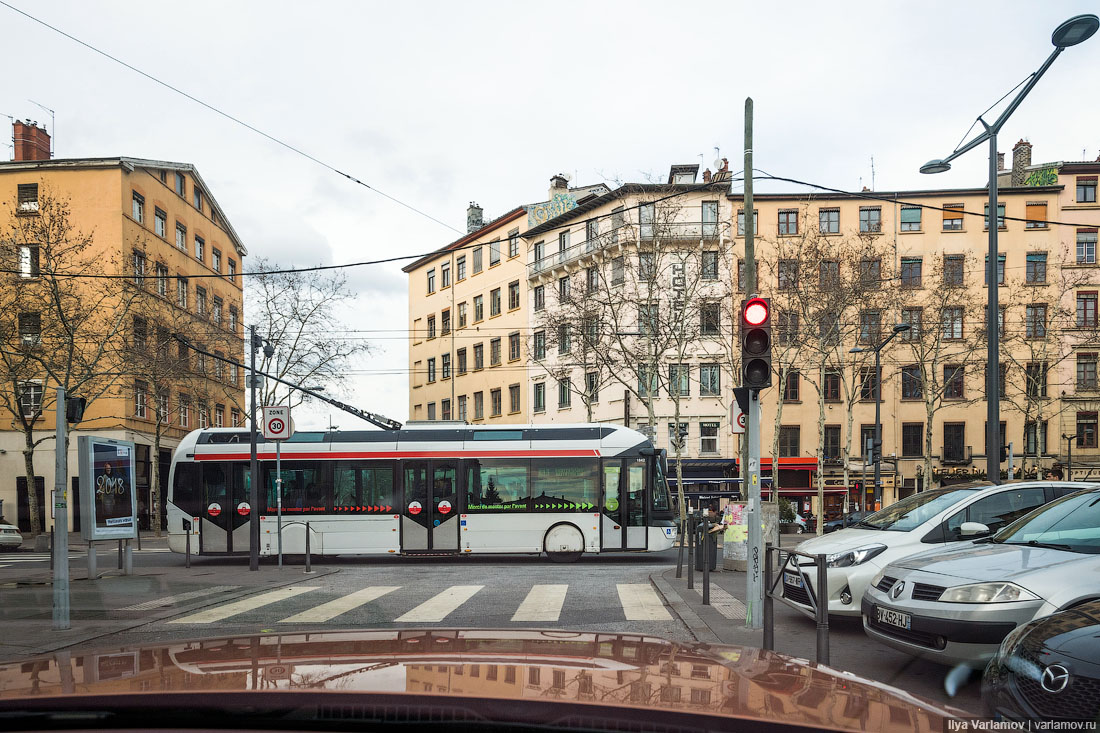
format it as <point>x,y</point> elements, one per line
<point>717,164</point>
<point>567,177</point>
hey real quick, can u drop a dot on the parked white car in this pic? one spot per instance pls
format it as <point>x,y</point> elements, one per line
<point>10,538</point>
<point>917,523</point>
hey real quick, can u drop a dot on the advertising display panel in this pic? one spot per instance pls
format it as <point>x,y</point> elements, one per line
<point>108,494</point>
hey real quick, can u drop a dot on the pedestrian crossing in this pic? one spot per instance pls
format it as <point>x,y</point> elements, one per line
<point>381,604</point>
<point>23,558</point>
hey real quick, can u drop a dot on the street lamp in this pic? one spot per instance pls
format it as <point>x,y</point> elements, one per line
<point>1075,30</point>
<point>1069,454</point>
<point>876,449</point>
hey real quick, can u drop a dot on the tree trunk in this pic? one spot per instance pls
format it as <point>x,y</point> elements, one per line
<point>154,484</point>
<point>32,491</point>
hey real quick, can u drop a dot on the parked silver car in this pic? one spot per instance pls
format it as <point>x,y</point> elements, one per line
<point>956,605</point>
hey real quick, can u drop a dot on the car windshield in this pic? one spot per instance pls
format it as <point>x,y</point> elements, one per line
<point>1072,524</point>
<point>913,511</point>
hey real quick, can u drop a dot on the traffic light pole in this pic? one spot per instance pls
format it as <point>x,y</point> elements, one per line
<point>754,603</point>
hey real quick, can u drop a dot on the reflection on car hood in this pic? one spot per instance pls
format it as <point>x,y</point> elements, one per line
<point>988,561</point>
<point>628,672</point>
<point>844,539</point>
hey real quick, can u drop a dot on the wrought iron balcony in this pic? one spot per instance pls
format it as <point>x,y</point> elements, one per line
<point>641,233</point>
<point>957,455</point>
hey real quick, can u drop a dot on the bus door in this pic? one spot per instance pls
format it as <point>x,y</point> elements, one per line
<point>225,508</point>
<point>429,517</point>
<point>623,513</point>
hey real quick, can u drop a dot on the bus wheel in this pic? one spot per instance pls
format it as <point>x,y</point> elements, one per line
<point>564,543</point>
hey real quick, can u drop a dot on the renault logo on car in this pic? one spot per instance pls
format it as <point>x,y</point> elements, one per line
<point>895,592</point>
<point>1054,678</point>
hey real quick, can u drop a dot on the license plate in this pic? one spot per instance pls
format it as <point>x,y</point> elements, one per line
<point>892,617</point>
<point>792,579</point>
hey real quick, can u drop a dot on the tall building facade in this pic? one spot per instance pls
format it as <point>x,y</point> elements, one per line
<point>173,263</point>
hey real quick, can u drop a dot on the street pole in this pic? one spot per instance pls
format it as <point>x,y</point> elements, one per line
<point>254,468</point>
<point>754,586</point>
<point>993,371</point>
<point>61,517</point>
<point>279,494</point>
<point>876,450</point>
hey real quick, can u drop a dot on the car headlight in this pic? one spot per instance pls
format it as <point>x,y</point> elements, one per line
<point>857,556</point>
<point>987,593</point>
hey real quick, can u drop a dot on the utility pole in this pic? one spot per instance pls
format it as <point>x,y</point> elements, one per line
<point>253,467</point>
<point>61,518</point>
<point>750,452</point>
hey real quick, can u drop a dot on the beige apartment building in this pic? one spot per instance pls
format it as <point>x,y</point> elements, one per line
<point>468,317</point>
<point>156,227</point>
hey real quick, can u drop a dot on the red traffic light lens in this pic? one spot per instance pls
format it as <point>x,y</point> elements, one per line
<point>756,312</point>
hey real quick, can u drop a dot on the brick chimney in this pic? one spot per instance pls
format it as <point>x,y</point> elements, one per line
<point>1000,161</point>
<point>1021,159</point>
<point>31,141</point>
<point>558,184</point>
<point>475,218</point>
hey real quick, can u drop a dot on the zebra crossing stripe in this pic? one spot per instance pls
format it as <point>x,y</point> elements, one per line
<point>440,606</point>
<point>641,603</point>
<point>543,603</point>
<point>178,598</point>
<point>219,613</point>
<point>334,608</point>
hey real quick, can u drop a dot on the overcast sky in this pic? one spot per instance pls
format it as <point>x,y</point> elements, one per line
<point>443,103</point>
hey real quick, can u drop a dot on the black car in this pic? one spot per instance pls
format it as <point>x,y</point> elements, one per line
<point>848,520</point>
<point>1048,669</point>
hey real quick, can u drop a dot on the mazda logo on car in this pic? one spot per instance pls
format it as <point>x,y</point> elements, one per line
<point>1054,678</point>
<point>895,592</point>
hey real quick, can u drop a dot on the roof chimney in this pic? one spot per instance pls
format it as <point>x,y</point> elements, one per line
<point>474,218</point>
<point>1021,159</point>
<point>31,141</point>
<point>1000,161</point>
<point>558,184</point>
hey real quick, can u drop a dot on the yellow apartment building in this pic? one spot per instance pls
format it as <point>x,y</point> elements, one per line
<point>158,226</point>
<point>468,318</point>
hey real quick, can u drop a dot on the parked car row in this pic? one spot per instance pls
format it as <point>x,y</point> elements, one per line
<point>976,572</point>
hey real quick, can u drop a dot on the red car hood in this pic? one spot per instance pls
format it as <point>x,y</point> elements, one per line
<point>579,672</point>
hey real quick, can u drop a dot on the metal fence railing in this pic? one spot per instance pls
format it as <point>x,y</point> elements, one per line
<point>819,600</point>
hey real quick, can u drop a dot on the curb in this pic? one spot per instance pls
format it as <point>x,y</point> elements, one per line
<point>695,625</point>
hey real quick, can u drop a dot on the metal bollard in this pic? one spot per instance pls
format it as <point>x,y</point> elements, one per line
<point>120,554</point>
<point>309,567</point>
<point>769,607</point>
<point>706,560</point>
<point>53,531</point>
<point>691,552</point>
<point>187,557</point>
<point>822,611</point>
<point>680,554</point>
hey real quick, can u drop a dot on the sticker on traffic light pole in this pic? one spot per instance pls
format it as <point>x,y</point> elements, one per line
<point>756,343</point>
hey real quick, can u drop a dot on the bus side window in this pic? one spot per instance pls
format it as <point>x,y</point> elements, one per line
<point>186,491</point>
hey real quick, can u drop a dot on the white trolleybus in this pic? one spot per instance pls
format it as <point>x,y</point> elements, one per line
<point>427,489</point>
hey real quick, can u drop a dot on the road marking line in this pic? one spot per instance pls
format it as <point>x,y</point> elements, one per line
<point>725,604</point>
<point>543,603</point>
<point>172,600</point>
<point>218,613</point>
<point>641,603</point>
<point>334,608</point>
<point>5,566</point>
<point>438,607</point>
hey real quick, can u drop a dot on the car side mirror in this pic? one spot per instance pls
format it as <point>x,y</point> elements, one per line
<point>973,529</point>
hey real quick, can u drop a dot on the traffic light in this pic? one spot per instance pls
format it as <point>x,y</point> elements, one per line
<point>74,409</point>
<point>756,343</point>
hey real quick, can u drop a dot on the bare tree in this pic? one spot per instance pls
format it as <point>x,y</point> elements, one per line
<point>298,314</point>
<point>62,323</point>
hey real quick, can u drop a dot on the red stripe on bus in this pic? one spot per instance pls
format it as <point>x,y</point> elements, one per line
<point>269,456</point>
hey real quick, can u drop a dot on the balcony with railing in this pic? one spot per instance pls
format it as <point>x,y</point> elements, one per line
<point>957,455</point>
<point>678,232</point>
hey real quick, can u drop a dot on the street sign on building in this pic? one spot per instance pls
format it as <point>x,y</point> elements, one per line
<point>275,423</point>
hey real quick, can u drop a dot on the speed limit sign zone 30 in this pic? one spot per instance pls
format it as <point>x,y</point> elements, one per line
<point>276,423</point>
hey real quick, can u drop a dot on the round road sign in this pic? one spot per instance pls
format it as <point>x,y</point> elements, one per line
<point>444,507</point>
<point>414,508</point>
<point>742,420</point>
<point>243,509</point>
<point>276,425</point>
<point>214,509</point>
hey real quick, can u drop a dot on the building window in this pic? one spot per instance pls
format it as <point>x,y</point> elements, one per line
<point>445,409</point>
<point>479,356</point>
<point>741,222</point>
<point>789,436</point>
<point>870,219</point>
<point>479,308</point>
<point>181,185</point>
<point>445,275</point>
<point>477,260</point>
<point>710,380</point>
<point>462,407</point>
<point>678,437</point>
<point>1086,372</point>
<point>197,197</point>
<point>829,221</point>
<point>867,383</point>
<point>830,449</point>
<point>790,388</point>
<point>1000,269</point>
<point>431,411</point>
<point>709,270</point>
<point>828,274</point>
<point>787,327</point>
<point>185,410</point>
<point>494,253</point>
<point>952,217</point>
<point>565,392</point>
<point>564,343</point>
<point>460,267</point>
<point>216,313</point>
<point>911,272</point>
<point>1036,379</point>
<point>592,386</point>
<point>233,318</point>
<point>494,302</point>
<point>141,397</point>
<point>431,281</point>
<point>181,239</point>
<point>1036,267</point>
<point>832,384</point>
<point>953,382</point>
<point>788,274</point>
<point>618,268</point>
<point>27,196</point>
<point>30,330</point>
<point>953,322</point>
<point>431,326</point>
<point>445,321</point>
<point>204,416</point>
<point>912,384</point>
<point>710,319</point>
<point>912,439</point>
<point>1086,189</point>
<point>513,295</point>
<point>216,260</point>
<point>540,297</point>
<point>679,382</point>
<point>445,365</point>
<point>540,345</point>
<point>461,353</point>
<point>910,219</point>
<point>870,273</point>
<point>494,352</point>
<point>647,381</point>
<point>647,266</point>
<point>479,405</point>
<point>513,398</point>
<point>431,370</point>
<point>462,315</point>
<point>1036,321</point>
<point>1086,246</point>
<point>1036,214</point>
<point>1035,438</point>
<point>540,397</point>
<point>912,318</point>
<point>200,249</point>
<point>162,280</point>
<point>870,326</point>
<point>1000,216</point>
<point>138,208</point>
<point>1086,430</point>
<point>953,270</point>
<point>513,243</point>
<point>1086,309</point>
<point>513,346</point>
<point>30,399</point>
<point>788,222</point>
<point>591,280</point>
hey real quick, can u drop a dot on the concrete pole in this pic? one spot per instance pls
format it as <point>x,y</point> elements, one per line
<point>754,582</point>
<point>61,519</point>
<point>993,372</point>
<point>254,468</point>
